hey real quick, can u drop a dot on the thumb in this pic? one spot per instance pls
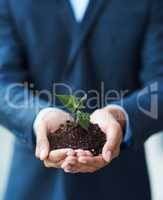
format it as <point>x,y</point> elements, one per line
<point>107,152</point>
<point>42,144</point>
<point>114,138</point>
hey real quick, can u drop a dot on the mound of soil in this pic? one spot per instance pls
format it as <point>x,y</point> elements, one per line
<point>72,135</point>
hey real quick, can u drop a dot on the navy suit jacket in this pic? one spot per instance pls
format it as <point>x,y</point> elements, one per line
<point>119,43</point>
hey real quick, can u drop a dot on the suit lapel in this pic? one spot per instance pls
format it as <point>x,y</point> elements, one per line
<point>78,32</point>
<point>92,14</point>
<point>66,14</point>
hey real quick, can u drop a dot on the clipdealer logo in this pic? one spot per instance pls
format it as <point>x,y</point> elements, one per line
<point>151,93</point>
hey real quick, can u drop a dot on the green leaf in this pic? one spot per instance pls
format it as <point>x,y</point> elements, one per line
<point>69,101</point>
<point>82,100</point>
<point>83,119</point>
<point>74,104</point>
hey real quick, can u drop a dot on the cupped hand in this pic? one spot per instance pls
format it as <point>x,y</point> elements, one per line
<point>47,122</point>
<point>111,121</point>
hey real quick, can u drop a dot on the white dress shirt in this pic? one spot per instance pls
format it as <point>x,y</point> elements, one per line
<point>79,7</point>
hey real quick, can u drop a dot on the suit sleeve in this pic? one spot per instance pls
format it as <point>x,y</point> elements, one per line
<point>145,106</point>
<point>18,107</point>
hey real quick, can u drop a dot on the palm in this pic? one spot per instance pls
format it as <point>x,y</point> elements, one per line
<point>55,119</point>
<point>85,161</point>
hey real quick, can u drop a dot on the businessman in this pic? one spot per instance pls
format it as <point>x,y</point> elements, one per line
<point>48,47</point>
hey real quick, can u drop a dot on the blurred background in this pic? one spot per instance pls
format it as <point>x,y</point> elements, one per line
<point>154,157</point>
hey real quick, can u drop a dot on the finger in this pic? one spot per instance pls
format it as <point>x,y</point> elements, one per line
<point>70,168</point>
<point>86,169</point>
<point>79,168</point>
<point>96,161</point>
<point>42,143</point>
<point>88,153</point>
<point>58,155</point>
<point>107,155</point>
<point>114,133</point>
<point>101,117</point>
<point>71,152</point>
<point>114,139</point>
<point>66,166</point>
<point>80,152</point>
<point>72,171</point>
<point>116,153</point>
<point>49,164</point>
<point>69,163</point>
<point>59,117</point>
<point>71,160</point>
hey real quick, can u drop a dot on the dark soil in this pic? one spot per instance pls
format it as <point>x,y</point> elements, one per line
<point>72,135</point>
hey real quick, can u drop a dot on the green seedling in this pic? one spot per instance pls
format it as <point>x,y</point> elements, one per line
<point>74,105</point>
